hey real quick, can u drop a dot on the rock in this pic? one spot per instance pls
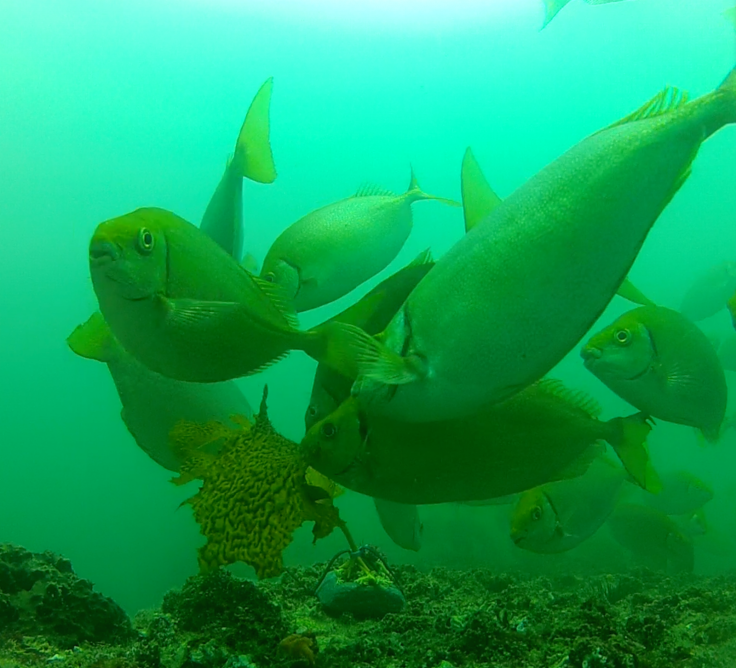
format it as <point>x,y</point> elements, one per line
<point>363,601</point>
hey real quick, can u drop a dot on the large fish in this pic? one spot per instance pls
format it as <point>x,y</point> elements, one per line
<point>663,364</point>
<point>332,250</point>
<point>710,291</point>
<point>537,436</point>
<point>184,307</point>
<point>517,292</point>
<point>558,516</point>
<point>682,494</point>
<point>252,159</point>
<point>154,404</point>
<point>553,7</point>
<point>652,537</point>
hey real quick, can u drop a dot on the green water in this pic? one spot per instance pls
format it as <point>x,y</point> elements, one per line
<point>105,107</point>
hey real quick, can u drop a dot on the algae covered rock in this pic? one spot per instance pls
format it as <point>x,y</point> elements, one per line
<point>40,595</point>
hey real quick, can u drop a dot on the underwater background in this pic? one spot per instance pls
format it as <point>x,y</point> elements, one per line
<point>106,107</point>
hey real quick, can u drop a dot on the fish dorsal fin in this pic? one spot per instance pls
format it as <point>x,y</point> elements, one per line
<point>425,257</point>
<point>278,298</point>
<point>664,102</point>
<point>373,190</point>
<point>477,195</point>
<point>577,398</point>
<point>254,145</point>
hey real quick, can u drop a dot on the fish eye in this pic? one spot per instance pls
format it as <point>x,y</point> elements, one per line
<point>623,336</point>
<point>312,410</point>
<point>536,514</point>
<point>269,277</point>
<point>145,240</point>
<point>329,430</point>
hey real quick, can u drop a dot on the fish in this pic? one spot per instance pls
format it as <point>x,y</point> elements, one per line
<point>252,159</point>
<point>515,294</point>
<point>682,494</point>
<point>546,432</point>
<point>652,537</point>
<point>730,14</point>
<point>661,363</point>
<point>726,348</point>
<point>185,308</point>
<point>153,404</point>
<point>558,516</point>
<point>401,522</point>
<point>710,292</point>
<point>631,293</point>
<point>372,313</point>
<point>553,7</point>
<point>331,251</point>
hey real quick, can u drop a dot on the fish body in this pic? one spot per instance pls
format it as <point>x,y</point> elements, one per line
<point>653,537</point>
<point>183,306</point>
<point>522,287</point>
<point>332,250</point>
<point>710,292</point>
<point>541,434</point>
<point>252,159</point>
<point>553,7</point>
<point>153,404</point>
<point>663,364</point>
<point>682,494</point>
<point>558,516</point>
<point>372,313</point>
<point>401,523</point>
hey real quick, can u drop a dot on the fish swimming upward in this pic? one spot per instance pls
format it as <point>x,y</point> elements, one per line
<point>332,250</point>
<point>520,290</point>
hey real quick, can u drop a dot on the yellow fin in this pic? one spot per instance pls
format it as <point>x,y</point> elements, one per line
<point>629,442</point>
<point>415,193</point>
<point>477,195</point>
<point>664,102</point>
<point>93,339</point>
<point>253,147</point>
<point>576,397</point>
<point>629,291</point>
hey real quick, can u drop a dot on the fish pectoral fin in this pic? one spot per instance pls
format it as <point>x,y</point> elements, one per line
<point>194,312</point>
<point>629,443</point>
<point>380,364</point>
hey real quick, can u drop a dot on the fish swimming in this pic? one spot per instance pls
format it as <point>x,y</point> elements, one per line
<point>154,404</point>
<point>516,293</point>
<point>332,250</point>
<point>543,433</point>
<point>652,537</point>
<point>372,313</point>
<point>663,364</point>
<point>182,306</point>
<point>252,159</point>
<point>682,494</point>
<point>710,291</point>
<point>553,7</point>
<point>401,522</point>
<point>558,516</point>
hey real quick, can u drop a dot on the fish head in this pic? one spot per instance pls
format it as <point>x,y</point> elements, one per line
<point>621,351</point>
<point>333,444</point>
<point>534,521</point>
<point>321,404</point>
<point>699,491</point>
<point>283,274</point>
<point>128,257</point>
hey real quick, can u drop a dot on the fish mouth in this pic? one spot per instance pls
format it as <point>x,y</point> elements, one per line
<point>517,538</point>
<point>102,253</point>
<point>590,355</point>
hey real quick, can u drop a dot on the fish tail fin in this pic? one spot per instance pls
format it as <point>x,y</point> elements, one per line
<point>414,192</point>
<point>719,107</point>
<point>92,339</point>
<point>253,148</point>
<point>628,439</point>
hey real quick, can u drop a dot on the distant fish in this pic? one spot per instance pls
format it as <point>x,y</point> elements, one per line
<point>663,364</point>
<point>331,251</point>
<point>558,516</point>
<point>730,14</point>
<point>710,291</point>
<point>513,296</point>
<point>252,159</point>
<point>553,7</point>
<point>401,522</point>
<point>682,494</point>
<point>652,537</point>
<point>153,404</point>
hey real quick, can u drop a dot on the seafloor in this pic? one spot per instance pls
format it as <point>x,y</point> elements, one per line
<point>642,619</point>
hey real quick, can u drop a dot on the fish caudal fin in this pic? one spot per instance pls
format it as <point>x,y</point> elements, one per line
<point>478,196</point>
<point>415,193</point>
<point>93,339</point>
<point>253,148</point>
<point>629,442</point>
